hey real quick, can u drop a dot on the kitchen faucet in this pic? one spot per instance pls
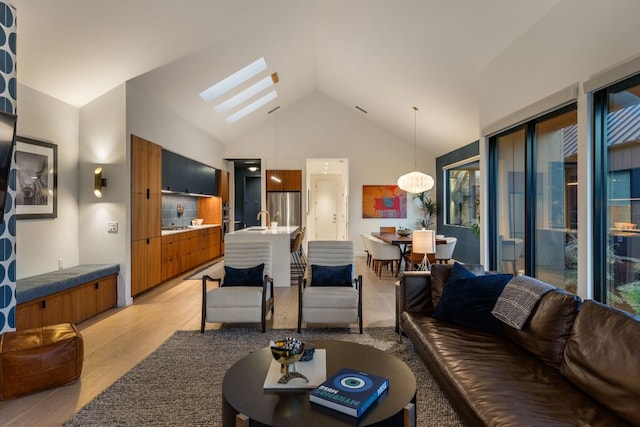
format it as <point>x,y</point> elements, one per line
<point>268,217</point>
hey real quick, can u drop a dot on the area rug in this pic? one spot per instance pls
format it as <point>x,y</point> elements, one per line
<point>214,269</point>
<point>180,383</point>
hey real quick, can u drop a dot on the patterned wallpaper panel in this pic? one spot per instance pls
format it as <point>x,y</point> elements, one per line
<point>8,227</point>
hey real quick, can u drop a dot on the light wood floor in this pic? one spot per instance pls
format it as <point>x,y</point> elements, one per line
<point>117,340</point>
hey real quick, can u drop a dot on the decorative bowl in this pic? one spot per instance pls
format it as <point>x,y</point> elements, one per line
<point>403,232</point>
<point>196,221</point>
<point>287,352</point>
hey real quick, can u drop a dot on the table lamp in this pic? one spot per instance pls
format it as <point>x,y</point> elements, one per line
<point>424,242</point>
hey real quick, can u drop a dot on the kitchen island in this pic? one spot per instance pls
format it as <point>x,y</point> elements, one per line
<point>280,239</point>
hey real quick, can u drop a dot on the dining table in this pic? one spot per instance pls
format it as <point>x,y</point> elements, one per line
<point>404,242</point>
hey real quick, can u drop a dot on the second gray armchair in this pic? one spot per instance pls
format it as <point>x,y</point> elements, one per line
<point>330,292</point>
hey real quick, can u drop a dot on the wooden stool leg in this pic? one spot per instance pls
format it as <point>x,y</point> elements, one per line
<point>409,415</point>
<point>242,420</point>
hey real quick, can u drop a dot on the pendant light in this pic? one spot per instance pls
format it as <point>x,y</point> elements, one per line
<point>415,182</point>
<point>275,145</point>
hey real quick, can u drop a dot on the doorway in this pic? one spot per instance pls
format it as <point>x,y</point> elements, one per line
<point>327,195</point>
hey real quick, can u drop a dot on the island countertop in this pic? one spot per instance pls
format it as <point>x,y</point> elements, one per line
<point>280,239</point>
<point>257,230</point>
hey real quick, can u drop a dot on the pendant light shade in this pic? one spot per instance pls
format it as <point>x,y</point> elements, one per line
<point>416,181</point>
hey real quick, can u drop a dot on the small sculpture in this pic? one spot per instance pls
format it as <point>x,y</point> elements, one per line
<point>287,352</point>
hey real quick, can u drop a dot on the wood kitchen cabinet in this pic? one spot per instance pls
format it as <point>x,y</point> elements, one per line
<point>187,249</point>
<point>146,214</point>
<point>223,186</point>
<point>291,180</point>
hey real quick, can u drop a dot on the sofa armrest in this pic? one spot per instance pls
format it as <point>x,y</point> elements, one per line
<point>414,292</point>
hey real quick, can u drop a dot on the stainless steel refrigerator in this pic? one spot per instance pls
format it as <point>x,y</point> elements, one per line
<point>289,206</point>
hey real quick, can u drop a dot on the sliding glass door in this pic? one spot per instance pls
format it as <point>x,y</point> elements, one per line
<point>618,195</point>
<point>533,194</point>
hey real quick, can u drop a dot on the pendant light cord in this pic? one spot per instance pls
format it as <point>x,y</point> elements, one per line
<point>415,138</point>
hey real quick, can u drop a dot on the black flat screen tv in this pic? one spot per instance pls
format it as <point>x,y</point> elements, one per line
<point>7,143</point>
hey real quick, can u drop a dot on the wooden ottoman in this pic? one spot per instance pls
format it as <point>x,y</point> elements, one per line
<point>38,359</point>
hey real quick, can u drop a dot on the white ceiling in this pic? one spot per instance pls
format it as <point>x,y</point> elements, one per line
<point>384,56</point>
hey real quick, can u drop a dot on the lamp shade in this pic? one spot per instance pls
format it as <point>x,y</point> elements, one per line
<point>415,182</point>
<point>424,242</point>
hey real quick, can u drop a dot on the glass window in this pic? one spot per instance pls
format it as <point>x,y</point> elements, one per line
<point>622,186</point>
<point>556,234</point>
<point>463,194</point>
<point>510,206</point>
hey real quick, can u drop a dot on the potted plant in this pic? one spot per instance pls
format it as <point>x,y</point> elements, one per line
<point>428,207</point>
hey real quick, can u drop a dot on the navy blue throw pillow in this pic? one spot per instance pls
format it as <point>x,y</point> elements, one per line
<point>458,272</point>
<point>252,276</point>
<point>469,302</point>
<point>326,275</point>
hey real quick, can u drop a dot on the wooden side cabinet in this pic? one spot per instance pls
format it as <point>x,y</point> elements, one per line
<point>72,305</point>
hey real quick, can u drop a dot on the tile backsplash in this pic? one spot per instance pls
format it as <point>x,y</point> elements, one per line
<point>172,204</point>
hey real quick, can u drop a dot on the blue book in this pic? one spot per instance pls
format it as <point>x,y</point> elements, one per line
<point>349,391</point>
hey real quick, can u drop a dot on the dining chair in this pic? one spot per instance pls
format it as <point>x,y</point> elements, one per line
<point>444,251</point>
<point>390,229</point>
<point>385,255</point>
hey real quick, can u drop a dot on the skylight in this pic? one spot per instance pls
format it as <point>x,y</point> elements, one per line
<point>252,107</point>
<point>243,101</point>
<point>234,80</point>
<point>249,92</point>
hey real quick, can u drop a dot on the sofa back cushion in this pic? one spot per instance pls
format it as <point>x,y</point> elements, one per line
<point>601,358</point>
<point>440,275</point>
<point>546,331</point>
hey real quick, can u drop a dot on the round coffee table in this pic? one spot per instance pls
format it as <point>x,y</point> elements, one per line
<point>242,390</point>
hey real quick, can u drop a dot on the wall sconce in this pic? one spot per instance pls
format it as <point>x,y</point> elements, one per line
<point>98,182</point>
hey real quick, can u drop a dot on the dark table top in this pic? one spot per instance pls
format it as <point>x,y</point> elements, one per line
<point>242,388</point>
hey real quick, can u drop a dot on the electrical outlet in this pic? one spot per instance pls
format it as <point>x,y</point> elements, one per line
<point>112,226</point>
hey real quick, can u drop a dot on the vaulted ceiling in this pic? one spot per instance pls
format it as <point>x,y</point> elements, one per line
<point>383,56</point>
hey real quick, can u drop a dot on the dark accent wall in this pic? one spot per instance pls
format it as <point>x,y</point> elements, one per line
<point>241,174</point>
<point>468,246</point>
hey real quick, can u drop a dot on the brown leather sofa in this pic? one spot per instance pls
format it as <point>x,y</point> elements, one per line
<point>573,363</point>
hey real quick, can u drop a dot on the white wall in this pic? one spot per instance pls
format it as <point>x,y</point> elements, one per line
<point>103,143</point>
<point>318,127</point>
<point>149,119</point>
<point>41,242</point>
<point>577,39</point>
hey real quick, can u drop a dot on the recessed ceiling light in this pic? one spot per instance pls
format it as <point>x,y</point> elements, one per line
<point>252,107</point>
<point>234,80</point>
<point>253,168</point>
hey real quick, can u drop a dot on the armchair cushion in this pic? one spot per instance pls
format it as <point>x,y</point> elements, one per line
<point>326,275</point>
<point>251,276</point>
<point>469,301</point>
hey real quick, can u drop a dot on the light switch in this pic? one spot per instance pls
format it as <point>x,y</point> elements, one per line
<point>112,226</point>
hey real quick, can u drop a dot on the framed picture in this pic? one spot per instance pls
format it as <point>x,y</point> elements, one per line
<point>383,201</point>
<point>36,179</point>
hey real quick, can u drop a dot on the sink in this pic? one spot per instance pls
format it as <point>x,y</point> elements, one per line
<point>256,229</point>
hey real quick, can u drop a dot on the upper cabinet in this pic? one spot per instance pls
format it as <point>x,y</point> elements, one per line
<point>223,186</point>
<point>289,180</point>
<point>184,175</point>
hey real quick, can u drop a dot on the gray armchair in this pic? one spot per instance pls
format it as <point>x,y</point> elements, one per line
<point>236,302</point>
<point>319,299</point>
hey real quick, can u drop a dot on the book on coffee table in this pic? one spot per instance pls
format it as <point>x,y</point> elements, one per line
<point>350,391</point>
<point>315,370</point>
